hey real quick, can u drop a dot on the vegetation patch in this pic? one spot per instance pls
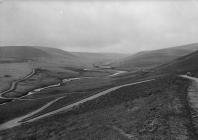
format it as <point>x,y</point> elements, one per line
<point>18,108</point>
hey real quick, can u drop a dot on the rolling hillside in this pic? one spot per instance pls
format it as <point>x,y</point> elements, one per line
<point>21,52</point>
<point>149,59</point>
<point>54,58</point>
<point>181,65</point>
<point>43,57</point>
<point>99,58</point>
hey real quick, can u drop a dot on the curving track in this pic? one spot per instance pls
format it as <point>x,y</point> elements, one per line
<point>193,99</point>
<point>14,84</point>
<point>19,120</point>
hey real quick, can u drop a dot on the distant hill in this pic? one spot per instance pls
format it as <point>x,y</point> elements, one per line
<point>188,63</point>
<point>53,57</point>
<point>99,58</point>
<point>22,52</point>
<point>43,57</point>
<point>149,59</point>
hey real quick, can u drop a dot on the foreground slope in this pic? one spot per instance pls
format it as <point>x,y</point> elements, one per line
<point>148,59</point>
<point>151,110</point>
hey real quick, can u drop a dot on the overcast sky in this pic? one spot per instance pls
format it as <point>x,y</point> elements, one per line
<point>113,26</point>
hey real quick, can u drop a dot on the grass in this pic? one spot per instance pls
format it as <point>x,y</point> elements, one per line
<point>95,73</point>
<point>18,108</point>
<point>69,99</point>
<point>39,79</point>
<point>12,71</point>
<point>44,78</point>
<point>87,84</point>
<point>153,110</point>
<point>4,100</point>
<point>82,85</point>
<point>91,73</point>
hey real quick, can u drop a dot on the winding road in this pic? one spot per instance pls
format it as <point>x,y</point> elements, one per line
<point>14,84</point>
<point>193,91</point>
<point>117,73</point>
<point>16,121</point>
<point>19,120</point>
<point>193,99</point>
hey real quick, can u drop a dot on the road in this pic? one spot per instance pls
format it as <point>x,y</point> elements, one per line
<point>193,99</point>
<point>19,120</point>
<point>14,84</point>
<point>117,73</point>
<point>16,121</point>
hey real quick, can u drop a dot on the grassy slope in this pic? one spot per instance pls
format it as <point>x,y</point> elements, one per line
<point>69,99</point>
<point>50,58</point>
<point>83,85</point>
<point>12,71</point>
<point>153,110</point>
<point>40,79</point>
<point>53,58</point>
<point>148,59</point>
<point>44,77</point>
<point>181,65</point>
<point>178,66</point>
<point>18,108</point>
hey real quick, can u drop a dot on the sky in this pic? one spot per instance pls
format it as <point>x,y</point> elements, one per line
<point>98,25</point>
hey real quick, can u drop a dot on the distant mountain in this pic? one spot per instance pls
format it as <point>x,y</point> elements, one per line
<point>53,57</point>
<point>41,56</point>
<point>149,59</point>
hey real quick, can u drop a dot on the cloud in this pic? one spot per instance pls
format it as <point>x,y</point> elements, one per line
<point>99,26</point>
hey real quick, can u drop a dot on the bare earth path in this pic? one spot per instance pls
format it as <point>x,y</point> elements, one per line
<point>18,121</point>
<point>193,99</point>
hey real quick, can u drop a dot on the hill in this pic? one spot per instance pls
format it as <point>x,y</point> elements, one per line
<point>99,58</point>
<point>21,52</point>
<point>149,59</point>
<point>54,58</point>
<point>181,65</point>
<point>43,57</point>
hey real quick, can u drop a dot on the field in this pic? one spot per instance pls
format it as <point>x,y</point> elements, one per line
<point>79,85</point>
<point>41,78</point>
<point>153,110</point>
<point>12,71</point>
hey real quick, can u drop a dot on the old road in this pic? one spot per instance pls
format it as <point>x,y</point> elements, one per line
<point>14,83</point>
<point>18,121</point>
<point>193,99</point>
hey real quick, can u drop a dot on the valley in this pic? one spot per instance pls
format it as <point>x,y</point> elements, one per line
<point>98,70</point>
<point>74,96</point>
